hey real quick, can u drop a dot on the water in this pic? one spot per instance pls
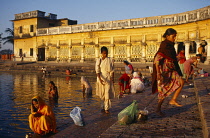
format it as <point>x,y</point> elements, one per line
<point>17,89</point>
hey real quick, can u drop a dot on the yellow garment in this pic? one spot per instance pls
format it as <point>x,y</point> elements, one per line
<point>46,122</point>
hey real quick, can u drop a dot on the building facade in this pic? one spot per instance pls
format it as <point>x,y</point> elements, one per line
<point>45,38</point>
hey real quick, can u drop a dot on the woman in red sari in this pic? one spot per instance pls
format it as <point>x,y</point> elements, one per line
<point>167,76</point>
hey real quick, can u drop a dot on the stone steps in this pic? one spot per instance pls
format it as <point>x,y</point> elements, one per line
<point>55,68</point>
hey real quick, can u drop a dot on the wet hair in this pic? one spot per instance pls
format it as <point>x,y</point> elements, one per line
<point>169,31</point>
<point>126,62</point>
<point>104,49</point>
<point>51,82</point>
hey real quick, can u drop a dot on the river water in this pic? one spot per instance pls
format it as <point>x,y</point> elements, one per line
<point>17,90</point>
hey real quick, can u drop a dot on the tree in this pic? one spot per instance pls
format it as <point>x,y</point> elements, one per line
<point>10,37</point>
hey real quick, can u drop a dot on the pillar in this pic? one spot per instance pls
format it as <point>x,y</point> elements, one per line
<point>35,50</point>
<point>112,51</point>
<point>207,62</point>
<point>58,51</point>
<point>70,49</point>
<point>157,46</point>
<point>82,53</point>
<point>128,50</point>
<point>58,54</point>
<point>96,51</point>
<point>112,47</point>
<point>37,54</point>
<point>197,45</point>
<point>46,53</point>
<point>176,47</point>
<point>143,51</point>
<point>187,49</point>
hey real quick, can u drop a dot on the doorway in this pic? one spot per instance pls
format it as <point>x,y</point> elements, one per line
<point>41,54</point>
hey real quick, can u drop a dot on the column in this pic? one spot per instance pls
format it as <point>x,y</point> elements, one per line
<point>128,50</point>
<point>35,50</point>
<point>112,47</point>
<point>176,47</point>
<point>46,53</point>
<point>207,62</point>
<point>37,56</point>
<point>112,51</point>
<point>58,51</point>
<point>82,53</point>
<point>157,46</point>
<point>58,54</point>
<point>96,48</point>
<point>197,45</point>
<point>187,49</point>
<point>96,51</point>
<point>70,49</point>
<point>143,44</point>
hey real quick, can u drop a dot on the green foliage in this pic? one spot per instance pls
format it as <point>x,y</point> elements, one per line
<point>8,39</point>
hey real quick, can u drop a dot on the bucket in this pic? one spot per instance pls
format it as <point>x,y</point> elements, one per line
<point>142,115</point>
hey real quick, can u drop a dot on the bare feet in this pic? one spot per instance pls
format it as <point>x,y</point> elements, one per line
<point>175,103</point>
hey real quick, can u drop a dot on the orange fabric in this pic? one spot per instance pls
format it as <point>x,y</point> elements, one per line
<point>46,122</point>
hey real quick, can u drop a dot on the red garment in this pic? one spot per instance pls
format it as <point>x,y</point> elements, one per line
<point>131,67</point>
<point>182,57</point>
<point>124,79</point>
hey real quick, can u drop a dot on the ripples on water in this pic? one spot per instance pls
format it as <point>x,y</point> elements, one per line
<point>17,89</point>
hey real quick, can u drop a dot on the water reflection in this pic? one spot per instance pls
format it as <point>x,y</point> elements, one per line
<point>17,89</point>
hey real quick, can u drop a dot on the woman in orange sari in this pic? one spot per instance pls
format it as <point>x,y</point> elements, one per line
<point>41,119</point>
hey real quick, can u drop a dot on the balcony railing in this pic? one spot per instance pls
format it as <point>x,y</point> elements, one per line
<point>173,19</point>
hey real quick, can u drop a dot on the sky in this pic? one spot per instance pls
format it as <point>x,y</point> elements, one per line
<point>89,11</point>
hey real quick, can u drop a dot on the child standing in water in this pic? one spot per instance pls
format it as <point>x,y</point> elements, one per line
<point>53,91</point>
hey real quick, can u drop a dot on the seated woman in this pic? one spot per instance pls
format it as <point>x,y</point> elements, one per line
<point>87,88</point>
<point>136,83</point>
<point>128,68</point>
<point>53,91</point>
<point>124,83</point>
<point>41,120</point>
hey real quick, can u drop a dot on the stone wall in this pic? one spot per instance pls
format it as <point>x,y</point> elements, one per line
<point>135,40</point>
